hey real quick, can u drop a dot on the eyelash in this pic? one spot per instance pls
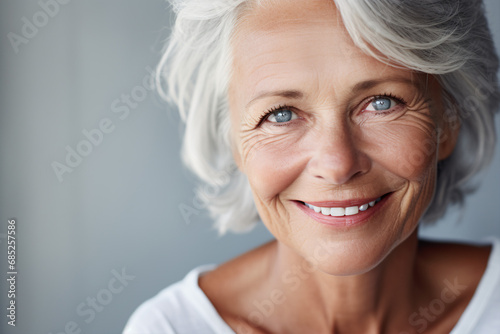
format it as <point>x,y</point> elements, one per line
<point>268,112</point>
<point>398,99</point>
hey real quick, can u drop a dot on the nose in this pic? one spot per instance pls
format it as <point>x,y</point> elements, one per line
<point>337,156</point>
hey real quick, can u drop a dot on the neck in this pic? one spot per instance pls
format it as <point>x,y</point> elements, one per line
<point>366,303</point>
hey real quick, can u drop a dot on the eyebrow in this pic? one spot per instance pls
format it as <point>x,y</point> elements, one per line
<point>360,86</point>
<point>290,94</point>
<point>365,85</point>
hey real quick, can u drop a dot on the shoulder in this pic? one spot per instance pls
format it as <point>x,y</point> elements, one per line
<point>472,273</point>
<point>481,315</point>
<point>467,261</point>
<point>232,287</point>
<point>168,310</point>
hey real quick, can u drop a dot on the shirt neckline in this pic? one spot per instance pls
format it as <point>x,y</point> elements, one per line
<point>205,306</point>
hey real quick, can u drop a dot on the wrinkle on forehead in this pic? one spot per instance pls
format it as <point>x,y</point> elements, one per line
<point>257,25</point>
<point>295,15</point>
<point>286,10</point>
<point>267,42</point>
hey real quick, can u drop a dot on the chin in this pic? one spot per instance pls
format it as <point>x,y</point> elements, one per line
<point>350,255</point>
<point>345,258</point>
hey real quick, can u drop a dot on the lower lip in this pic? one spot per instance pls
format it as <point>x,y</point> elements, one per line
<point>345,221</point>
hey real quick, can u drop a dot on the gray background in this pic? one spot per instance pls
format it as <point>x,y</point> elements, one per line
<point>120,207</point>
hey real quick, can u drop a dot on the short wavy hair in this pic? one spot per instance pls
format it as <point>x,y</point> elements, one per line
<point>448,39</point>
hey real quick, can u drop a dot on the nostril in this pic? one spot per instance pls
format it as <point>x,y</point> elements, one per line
<point>339,170</point>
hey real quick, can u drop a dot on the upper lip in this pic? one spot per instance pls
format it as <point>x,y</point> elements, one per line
<point>344,203</point>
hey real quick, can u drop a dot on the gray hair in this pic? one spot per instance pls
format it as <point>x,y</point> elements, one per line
<point>448,39</point>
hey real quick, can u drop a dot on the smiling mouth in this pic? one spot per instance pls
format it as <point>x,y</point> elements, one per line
<point>343,211</point>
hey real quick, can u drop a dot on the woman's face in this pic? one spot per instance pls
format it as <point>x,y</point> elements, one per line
<point>317,124</point>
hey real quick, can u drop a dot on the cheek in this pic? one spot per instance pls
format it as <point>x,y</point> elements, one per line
<point>271,163</point>
<point>407,156</point>
<point>408,151</point>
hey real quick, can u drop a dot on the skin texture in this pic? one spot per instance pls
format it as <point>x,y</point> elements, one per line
<point>366,277</point>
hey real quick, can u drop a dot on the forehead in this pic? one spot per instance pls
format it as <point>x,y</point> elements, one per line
<point>285,43</point>
<point>279,32</point>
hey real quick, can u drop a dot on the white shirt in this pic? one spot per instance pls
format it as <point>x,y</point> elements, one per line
<point>183,308</point>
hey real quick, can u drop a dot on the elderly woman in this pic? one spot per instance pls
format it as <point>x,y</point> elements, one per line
<point>342,125</point>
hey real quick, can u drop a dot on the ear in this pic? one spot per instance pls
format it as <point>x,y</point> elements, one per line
<point>236,155</point>
<point>448,131</point>
<point>234,119</point>
<point>447,120</point>
<point>234,148</point>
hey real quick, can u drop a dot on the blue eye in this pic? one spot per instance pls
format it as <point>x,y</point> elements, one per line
<point>281,116</point>
<point>381,104</point>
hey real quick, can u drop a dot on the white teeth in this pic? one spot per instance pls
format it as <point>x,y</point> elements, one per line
<point>339,212</point>
<point>352,210</point>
